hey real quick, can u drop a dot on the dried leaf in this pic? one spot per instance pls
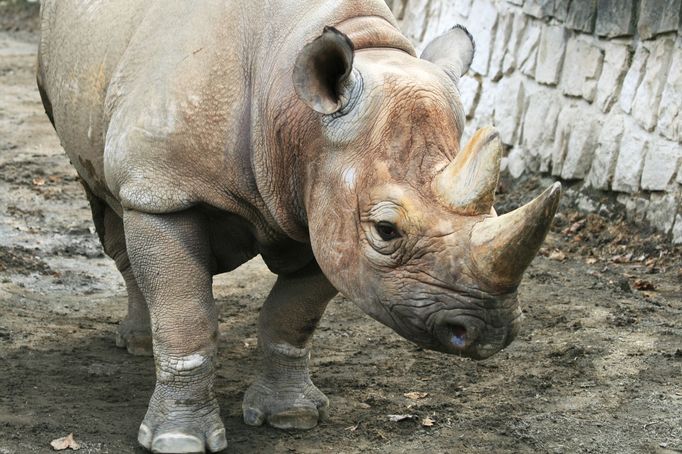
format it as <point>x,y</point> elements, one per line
<point>354,428</point>
<point>627,258</point>
<point>557,255</point>
<point>398,418</point>
<point>641,284</point>
<point>577,226</point>
<point>67,442</point>
<point>250,342</point>
<point>427,422</point>
<point>416,395</point>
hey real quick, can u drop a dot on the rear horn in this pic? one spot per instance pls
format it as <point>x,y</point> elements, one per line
<point>468,183</point>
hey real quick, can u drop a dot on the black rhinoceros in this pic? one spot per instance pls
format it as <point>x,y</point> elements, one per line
<point>207,132</point>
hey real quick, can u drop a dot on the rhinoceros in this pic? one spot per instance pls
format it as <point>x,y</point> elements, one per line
<point>309,132</point>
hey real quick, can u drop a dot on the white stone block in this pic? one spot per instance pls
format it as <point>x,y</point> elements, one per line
<point>516,163</point>
<point>581,144</point>
<point>481,25</point>
<point>526,57</point>
<point>415,17</point>
<point>586,204</point>
<point>539,8</point>
<point>539,122</point>
<point>661,211</point>
<point>486,104</point>
<point>461,7</point>
<point>660,164</point>
<point>469,130</point>
<point>432,27</point>
<point>604,160</point>
<point>635,207</point>
<point>658,16</point>
<point>550,54</point>
<point>633,78</point>
<point>583,65</point>
<point>505,24</point>
<point>633,148</point>
<point>565,121</point>
<point>442,16</point>
<point>469,88</point>
<point>670,110</point>
<point>648,97</point>
<point>677,230</point>
<point>398,8</point>
<point>518,29</point>
<point>616,61</point>
<point>509,99</point>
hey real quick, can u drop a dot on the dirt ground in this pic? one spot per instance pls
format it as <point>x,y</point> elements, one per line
<point>597,367</point>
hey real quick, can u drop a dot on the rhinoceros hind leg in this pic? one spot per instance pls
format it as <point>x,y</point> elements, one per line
<point>134,338</point>
<point>284,395</point>
<point>134,332</point>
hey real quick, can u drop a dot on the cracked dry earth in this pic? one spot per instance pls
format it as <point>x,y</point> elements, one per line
<point>596,368</point>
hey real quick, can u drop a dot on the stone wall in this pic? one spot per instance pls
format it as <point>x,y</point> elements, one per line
<point>587,90</point>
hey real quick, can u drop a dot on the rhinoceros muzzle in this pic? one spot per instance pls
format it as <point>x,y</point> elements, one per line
<point>475,335</point>
<point>470,324</point>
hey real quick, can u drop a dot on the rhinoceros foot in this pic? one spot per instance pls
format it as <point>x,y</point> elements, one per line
<point>284,396</point>
<point>135,336</point>
<point>182,425</point>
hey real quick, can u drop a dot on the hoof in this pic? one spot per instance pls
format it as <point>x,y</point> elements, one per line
<point>182,422</point>
<point>285,406</point>
<point>182,440</point>
<point>177,442</point>
<point>138,342</point>
<point>295,418</point>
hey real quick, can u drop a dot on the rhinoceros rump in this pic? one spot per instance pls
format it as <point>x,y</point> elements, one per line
<point>308,132</point>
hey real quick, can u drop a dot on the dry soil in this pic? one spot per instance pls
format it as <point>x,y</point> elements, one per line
<point>597,367</point>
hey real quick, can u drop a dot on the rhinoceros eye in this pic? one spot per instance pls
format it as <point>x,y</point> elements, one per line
<point>387,231</point>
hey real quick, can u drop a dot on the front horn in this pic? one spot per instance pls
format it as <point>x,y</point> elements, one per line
<point>503,247</point>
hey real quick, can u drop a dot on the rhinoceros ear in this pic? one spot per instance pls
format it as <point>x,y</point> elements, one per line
<point>323,70</point>
<point>452,51</point>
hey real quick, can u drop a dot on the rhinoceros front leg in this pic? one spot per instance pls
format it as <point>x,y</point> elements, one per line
<point>283,395</point>
<point>170,256</point>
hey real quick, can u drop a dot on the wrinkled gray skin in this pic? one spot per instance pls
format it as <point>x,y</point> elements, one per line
<point>209,132</point>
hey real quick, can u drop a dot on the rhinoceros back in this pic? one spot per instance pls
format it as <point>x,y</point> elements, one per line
<point>165,104</point>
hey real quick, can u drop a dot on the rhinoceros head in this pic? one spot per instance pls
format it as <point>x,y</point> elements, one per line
<point>401,219</point>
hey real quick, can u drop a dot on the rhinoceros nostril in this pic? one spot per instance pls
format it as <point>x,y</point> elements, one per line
<point>455,336</point>
<point>458,336</point>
